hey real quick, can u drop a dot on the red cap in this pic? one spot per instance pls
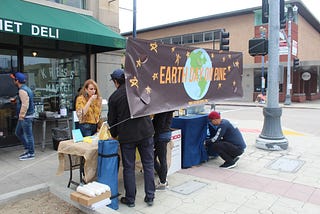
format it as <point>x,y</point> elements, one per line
<point>214,115</point>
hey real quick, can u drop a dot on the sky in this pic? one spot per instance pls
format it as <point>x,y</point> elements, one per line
<point>151,13</point>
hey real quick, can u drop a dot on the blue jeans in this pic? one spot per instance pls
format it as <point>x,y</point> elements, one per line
<point>88,129</point>
<point>128,152</point>
<point>25,135</point>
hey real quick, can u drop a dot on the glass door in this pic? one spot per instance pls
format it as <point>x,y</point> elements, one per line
<point>8,91</point>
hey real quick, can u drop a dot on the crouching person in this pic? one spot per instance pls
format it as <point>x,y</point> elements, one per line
<point>225,140</point>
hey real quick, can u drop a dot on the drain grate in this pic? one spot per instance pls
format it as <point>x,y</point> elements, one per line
<point>286,165</point>
<point>188,187</point>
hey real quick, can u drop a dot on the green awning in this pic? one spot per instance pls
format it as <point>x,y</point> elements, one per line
<point>30,19</point>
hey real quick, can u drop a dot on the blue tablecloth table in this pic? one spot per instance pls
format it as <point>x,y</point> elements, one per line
<point>194,132</point>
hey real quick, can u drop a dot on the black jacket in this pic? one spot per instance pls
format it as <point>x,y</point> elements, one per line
<point>162,122</point>
<point>128,130</point>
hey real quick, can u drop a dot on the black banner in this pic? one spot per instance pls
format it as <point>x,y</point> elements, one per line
<point>162,77</point>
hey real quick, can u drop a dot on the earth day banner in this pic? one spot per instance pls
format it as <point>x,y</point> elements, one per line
<point>161,77</point>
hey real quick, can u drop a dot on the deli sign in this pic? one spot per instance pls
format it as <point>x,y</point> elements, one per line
<point>27,29</point>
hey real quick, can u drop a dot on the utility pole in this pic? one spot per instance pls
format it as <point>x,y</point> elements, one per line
<point>291,12</point>
<point>134,24</point>
<point>262,35</point>
<point>288,95</point>
<point>271,137</point>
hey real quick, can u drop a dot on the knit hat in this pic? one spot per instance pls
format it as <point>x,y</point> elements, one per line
<point>19,76</point>
<point>214,115</point>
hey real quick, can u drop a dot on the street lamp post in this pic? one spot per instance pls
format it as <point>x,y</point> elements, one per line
<point>134,24</point>
<point>290,13</point>
<point>271,137</point>
<point>262,35</point>
<point>288,95</point>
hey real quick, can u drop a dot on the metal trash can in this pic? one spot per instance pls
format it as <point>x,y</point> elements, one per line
<point>59,134</point>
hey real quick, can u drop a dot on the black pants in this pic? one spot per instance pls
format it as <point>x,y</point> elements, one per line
<point>128,151</point>
<point>226,150</point>
<point>160,158</point>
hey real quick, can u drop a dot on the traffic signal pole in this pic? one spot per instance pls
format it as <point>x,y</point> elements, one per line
<point>271,137</point>
<point>289,86</point>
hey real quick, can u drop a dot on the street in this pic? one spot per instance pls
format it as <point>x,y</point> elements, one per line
<point>296,119</point>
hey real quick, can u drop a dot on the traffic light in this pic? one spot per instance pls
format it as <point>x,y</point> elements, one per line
<point>265,11</point>
<point>282,16</point>
<point>258,47</point>
<point>224,41</point>
<point>296,63</point>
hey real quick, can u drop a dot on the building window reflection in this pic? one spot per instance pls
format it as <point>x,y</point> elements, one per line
<point>55,81</point>
<point>73,3</point>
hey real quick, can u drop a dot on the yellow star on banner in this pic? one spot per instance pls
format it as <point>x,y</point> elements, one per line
<point>234,83</point>
<point>223,59</point>
<point>148,90</point>
<point>153,47</point>
<point>212,55</point>
<point>236,64</point>
<point>229,67</point>
<point>178,57</point>
<point>187,54</point>
<point>173,49</point>
<point>134,82</point>
<point>219,85</point>
<point>138,63</point>
<point>155,76</point>
<point>229,56</point>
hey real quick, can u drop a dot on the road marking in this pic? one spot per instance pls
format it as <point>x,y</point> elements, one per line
<point>285,132</point>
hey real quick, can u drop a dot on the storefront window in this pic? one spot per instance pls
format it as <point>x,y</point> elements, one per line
<point>8,121</point>
<point>73,3</point>
<point>55,81</point>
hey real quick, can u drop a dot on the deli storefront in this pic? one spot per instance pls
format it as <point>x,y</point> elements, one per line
<point>54,48</point>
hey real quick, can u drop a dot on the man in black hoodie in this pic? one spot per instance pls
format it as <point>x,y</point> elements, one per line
<point>132,134</point>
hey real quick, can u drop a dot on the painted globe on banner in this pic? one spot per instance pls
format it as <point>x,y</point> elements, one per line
<point>197,81</point>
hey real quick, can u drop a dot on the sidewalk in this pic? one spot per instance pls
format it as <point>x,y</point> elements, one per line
<point>264,181</point>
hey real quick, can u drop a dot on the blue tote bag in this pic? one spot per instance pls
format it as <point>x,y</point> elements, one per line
<point>108,167</point>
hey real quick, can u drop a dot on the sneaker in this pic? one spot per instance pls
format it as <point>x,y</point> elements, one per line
<point>160,186</point>
<point>27,156</point>
<point>149,201</point>
<point>236,159</point>
<point>228,165</point>
<point>125,201</point>
<point>25,153</point>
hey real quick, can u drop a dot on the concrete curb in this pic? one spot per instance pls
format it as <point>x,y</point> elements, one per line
<point>23,193</point>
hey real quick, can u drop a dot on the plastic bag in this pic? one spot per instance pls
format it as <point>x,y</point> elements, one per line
<point>104,132</point>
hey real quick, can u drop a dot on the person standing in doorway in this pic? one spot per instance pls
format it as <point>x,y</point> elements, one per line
<point>161,123</point>
<point>132,133</point>
<point>88,108</point>
<point>25,113</point>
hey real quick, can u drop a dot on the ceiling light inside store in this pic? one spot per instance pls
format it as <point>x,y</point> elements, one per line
<point>34,53</point>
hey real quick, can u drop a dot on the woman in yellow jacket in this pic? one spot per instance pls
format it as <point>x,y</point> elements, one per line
<point>88,108</point>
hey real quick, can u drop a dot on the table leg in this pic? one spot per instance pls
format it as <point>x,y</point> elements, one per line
<point>81,171</point>
<point>43,143</point>
<point>68,125</point>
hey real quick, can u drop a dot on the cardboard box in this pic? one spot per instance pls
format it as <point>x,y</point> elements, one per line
<point>88,201</point>
<point>175,163</point>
